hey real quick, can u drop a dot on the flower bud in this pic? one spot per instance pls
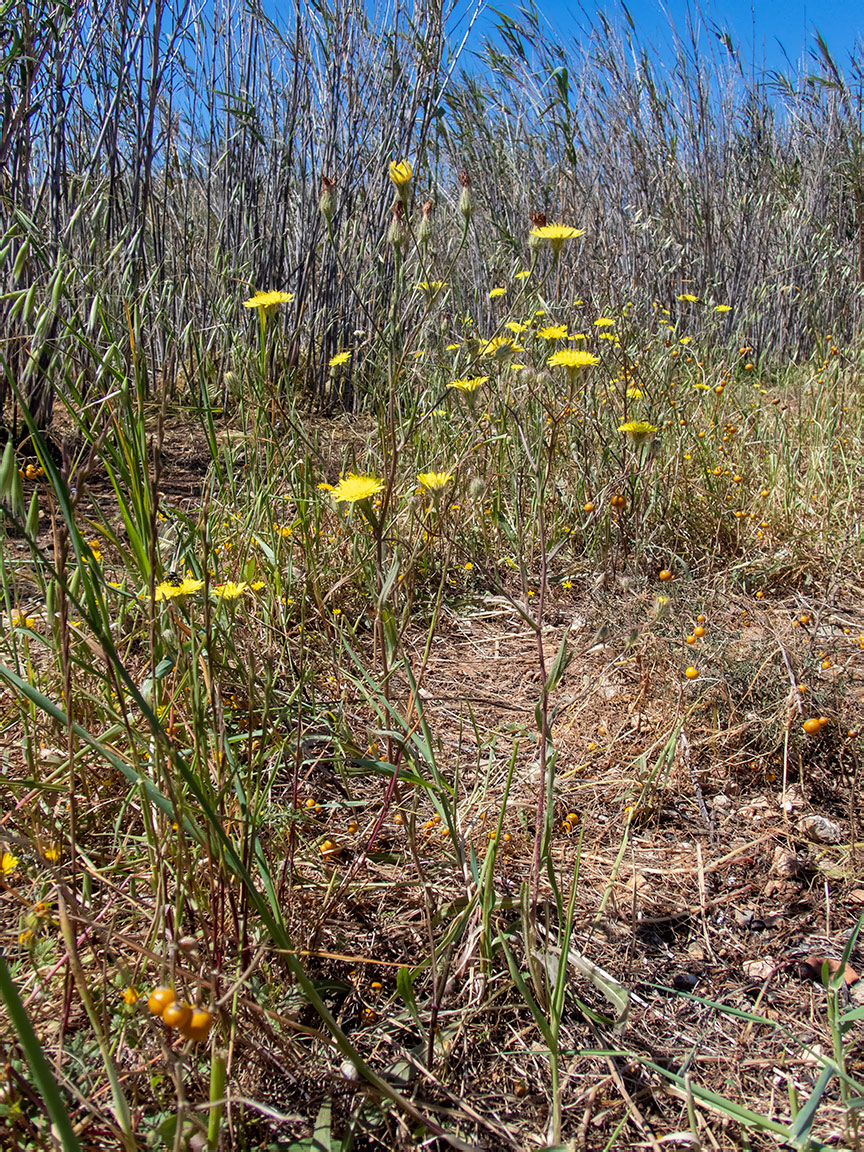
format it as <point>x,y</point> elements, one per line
<point>466,200</point>
<point>425,233</point>
<point>326,203</point>
<point>538,219</point>
<point>396,234</point>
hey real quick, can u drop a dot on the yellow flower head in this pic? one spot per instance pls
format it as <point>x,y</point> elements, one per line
<point>553,332</point>
<point>515,327</point>
<point>556,234</point>
<point>572,359</point>
<point>432,288</point>
<point>634,393</point>
<point>497,292</point>
<point>8,863</point>
<point>230,590</point>
<point>353,488</point>
<point>175,586</point>
<point>603,322</point>
<point>268,302</point>
<point>723,308</point>
<point>689,296</point>
<point>523,275</point>
<point>468,385</point>
<point>435,481</point>
<point>638,431</point>
<point>339,359</point>
<point>401,173</point>
<point>500,348</point>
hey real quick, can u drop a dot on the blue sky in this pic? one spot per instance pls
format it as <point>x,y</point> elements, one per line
<point>767,31</point>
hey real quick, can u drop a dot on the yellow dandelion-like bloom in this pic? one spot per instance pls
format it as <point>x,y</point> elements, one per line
<point>353,488</point>
<point>401,173</point>
<point>339,359</point>
<point>572,359</point>
<point>723,308</point>
<point>468,385</point>
<point>175,586</point>
<point>130,996</point>
<point>515,327</point>
<point>8,863</point>
<point>638,431</point>
<point>52,855</point>
<point>553,332</point>
<point>579,336</point>
<point>685,339</point>
<point>432,288</point>
<point>230,590</point>
<point>497,292</point>
<point>634,393</point>
<point>268,302</point>
<point>500,348</point>
<point>689,296</point>
<point>434,481</point>
<point>556,234</point>
<point>452,348</point>
<point>603,322</point>
<point>523,275</point>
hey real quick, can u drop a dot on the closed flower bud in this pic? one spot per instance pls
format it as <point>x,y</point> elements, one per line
<point>425,233</point>
<point>466,200</point>
<point>326,203</point>
<point>396,234</point>
<point>538,220</point>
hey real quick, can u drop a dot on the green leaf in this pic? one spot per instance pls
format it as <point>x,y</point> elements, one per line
<point>35,1057</point>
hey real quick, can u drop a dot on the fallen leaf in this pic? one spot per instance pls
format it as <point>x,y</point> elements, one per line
<point>811,969</point>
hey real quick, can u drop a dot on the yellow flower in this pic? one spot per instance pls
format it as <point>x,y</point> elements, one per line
<point>268,301</point>
<point>515,327</point>
<point>524,274</point>
<point>130,997</point>
<point>634,393</point>
<point>500,347</point>
<point>8,863</point>
<point>723,308</point>
<point>257,586</point>
<point>176,586</point>
<point>637,430</point>
<point>452,348</point>
<point>685,339</point>
<point>401,173</point>
<point>603,322</point>
<point>339,359</point>
<point>434,481</point>
<point>353,488</point>
<point>468,385</point>
<point>572,359</point>
<point>553,332</point>
<point>690,297</point>
<point>432,288</point>
<point>230,590</point>
<point>556,234</point>
<point>497,292</point>
<point>53,854</point>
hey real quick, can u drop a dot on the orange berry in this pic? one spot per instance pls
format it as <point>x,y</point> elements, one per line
<point>664,574</point>
<point>699,631</point>
<point>619,501</point>
<point>812,726</point>
<point>198,1026</point>
<point>589,507</point>
<point>691,673</point>
<point>176,1015</point>
<point>159,999</point>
